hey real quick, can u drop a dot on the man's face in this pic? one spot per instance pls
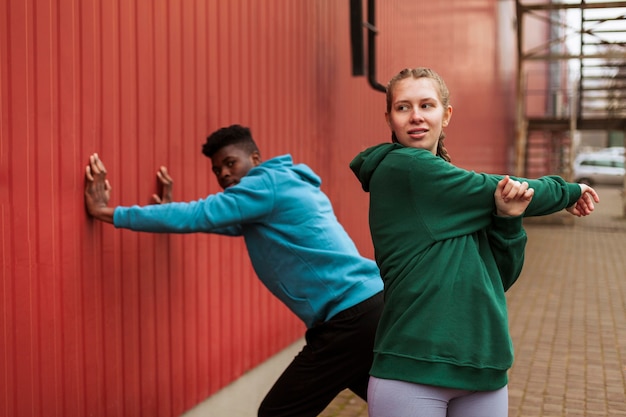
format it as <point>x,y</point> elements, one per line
<point>232,163</point>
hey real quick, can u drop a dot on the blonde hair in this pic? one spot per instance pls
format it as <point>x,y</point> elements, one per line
<point>444,97</point>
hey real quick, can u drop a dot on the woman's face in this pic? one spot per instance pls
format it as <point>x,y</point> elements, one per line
<point>417,115</point>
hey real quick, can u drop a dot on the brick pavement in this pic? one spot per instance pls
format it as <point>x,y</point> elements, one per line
<point>567,317</point>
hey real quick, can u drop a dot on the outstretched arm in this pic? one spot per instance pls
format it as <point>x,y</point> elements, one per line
<point>182,217</point>
<point>98,190</point>
<point>553,193</point>
<point>473,193</point>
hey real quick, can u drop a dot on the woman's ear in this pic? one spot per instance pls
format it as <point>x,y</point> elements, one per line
<point>387,119</point>
<point>447,116</point>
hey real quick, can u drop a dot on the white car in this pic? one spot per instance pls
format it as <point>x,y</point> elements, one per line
<point>604,167</point>
<point>613,150</point>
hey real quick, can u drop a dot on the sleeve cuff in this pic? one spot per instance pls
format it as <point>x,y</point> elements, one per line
<point>507,226</point>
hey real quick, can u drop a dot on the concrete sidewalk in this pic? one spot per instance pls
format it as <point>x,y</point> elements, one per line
<point>567,316</point>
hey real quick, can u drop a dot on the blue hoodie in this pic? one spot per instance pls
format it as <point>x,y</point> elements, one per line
<point>297,247</point>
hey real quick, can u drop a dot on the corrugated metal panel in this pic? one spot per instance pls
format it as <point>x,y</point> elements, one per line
<point>471,44</point>
<point>98,321</point>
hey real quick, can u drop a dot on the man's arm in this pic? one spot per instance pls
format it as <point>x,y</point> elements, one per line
<point>217,213</point>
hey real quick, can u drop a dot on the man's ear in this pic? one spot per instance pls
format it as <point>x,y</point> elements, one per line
<point>256,158</point>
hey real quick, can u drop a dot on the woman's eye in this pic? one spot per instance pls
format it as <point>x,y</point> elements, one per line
<point>402,107</point>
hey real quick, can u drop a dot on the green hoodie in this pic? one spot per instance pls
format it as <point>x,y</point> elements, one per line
<point>446,260</point>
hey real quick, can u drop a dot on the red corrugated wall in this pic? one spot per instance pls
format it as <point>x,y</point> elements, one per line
<point>103,322</point>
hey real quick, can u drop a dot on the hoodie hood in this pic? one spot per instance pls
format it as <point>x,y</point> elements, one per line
<point>302,171</point>
<point>306,174</point>
<point>365,163</point>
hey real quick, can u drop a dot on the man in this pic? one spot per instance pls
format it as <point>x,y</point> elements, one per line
<point>298,250</point>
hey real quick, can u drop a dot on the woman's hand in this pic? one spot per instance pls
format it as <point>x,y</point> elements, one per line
<point>584,206</point>
<point>512,197</point>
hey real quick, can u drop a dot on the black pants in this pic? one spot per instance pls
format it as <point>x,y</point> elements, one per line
<point>337,355</point>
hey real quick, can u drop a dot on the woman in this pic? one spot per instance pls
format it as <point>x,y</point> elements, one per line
<point>442,345</point>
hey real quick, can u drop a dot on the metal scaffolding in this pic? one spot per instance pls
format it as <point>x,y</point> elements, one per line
<point>582,63</point>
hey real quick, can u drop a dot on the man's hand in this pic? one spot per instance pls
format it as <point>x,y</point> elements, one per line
<point>97,190</point>
<point>584,206</point>
<point>512,197</point>
<point>167,184</point>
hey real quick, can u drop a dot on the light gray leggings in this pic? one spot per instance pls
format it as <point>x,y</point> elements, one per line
<point>389,398</point>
